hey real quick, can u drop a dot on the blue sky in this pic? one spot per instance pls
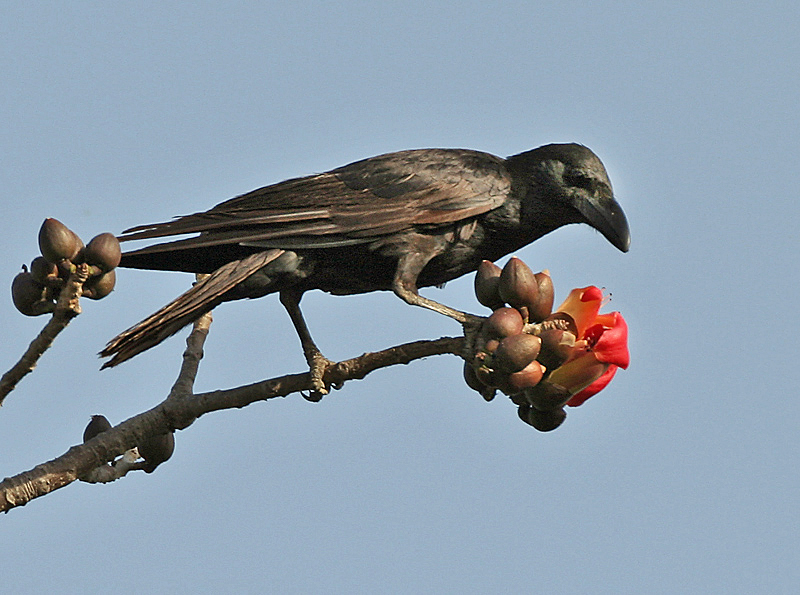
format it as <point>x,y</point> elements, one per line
<point>680,477</point>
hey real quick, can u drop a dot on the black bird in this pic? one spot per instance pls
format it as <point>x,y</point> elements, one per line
<point>396,222</point>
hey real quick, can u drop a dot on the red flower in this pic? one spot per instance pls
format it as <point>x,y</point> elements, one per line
<point>602,346</point>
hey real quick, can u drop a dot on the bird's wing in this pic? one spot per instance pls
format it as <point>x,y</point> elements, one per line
<point>357,203</point>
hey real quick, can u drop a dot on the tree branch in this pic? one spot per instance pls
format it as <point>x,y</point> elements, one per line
<point>67,307</point>
<point>181,408</point>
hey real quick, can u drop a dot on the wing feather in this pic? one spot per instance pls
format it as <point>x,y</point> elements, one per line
<point>357,203</point>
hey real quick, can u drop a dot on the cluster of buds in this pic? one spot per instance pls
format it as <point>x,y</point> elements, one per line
<point>154,449</point>
<point>35,291</point>
<point>542,359</point>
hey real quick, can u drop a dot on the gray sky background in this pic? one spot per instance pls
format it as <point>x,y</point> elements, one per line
<point>679,477</point>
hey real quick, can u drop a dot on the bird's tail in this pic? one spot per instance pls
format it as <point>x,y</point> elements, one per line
<point>186,308</point>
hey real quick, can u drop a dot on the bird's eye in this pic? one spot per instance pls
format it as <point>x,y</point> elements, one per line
<point>580,180</point>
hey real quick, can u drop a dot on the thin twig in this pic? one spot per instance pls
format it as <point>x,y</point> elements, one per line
<point>184,385</point>
<point>67,308</point>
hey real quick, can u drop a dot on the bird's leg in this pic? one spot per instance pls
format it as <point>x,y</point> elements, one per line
<point>409,294</point>
<point>317,363</point>
<point>404,286</point>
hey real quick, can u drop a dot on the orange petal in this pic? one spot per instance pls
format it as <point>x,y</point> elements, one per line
<point>583,304</point>
<point>578,373</point>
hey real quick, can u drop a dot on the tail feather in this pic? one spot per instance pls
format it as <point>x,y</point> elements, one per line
<point>185,309</point>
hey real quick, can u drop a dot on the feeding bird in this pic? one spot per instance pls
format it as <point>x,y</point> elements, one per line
<point>398,222</point>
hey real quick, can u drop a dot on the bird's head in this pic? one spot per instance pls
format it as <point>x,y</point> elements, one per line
<point>567,183</point>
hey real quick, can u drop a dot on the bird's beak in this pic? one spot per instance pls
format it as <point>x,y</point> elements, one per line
<point>608,218</point>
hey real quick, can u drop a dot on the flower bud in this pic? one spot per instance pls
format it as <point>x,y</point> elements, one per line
<point>28,295</point>
<point>487,279</point>
<point>57,242</point>
<point>491,345</point>
<point>471,378</point>
<point>544,303</point>
<point>517,351</point>
<point>504,322</point>
<point>42,270</point>
<point>544,421</point>
<point>547,396</point>
<point>518,286</point>
<point>489,377</point>
<point>97,425</point>
<point>156,449</point>
<point>103,251</point>
<point>488,393</point>
<point>526,378</point>
<point>557,346</point>
<point>96,288</point>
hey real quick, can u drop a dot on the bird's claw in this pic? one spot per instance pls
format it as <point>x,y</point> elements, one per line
<point>472,325</point>
<point>318,364</point>
<point>472,322</point>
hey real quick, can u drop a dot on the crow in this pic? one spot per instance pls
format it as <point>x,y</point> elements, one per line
<point>398,222</point>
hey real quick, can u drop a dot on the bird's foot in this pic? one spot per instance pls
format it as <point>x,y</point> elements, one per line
<point>472,322</point>
<point>318,364</point>
<point>472,325</point>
